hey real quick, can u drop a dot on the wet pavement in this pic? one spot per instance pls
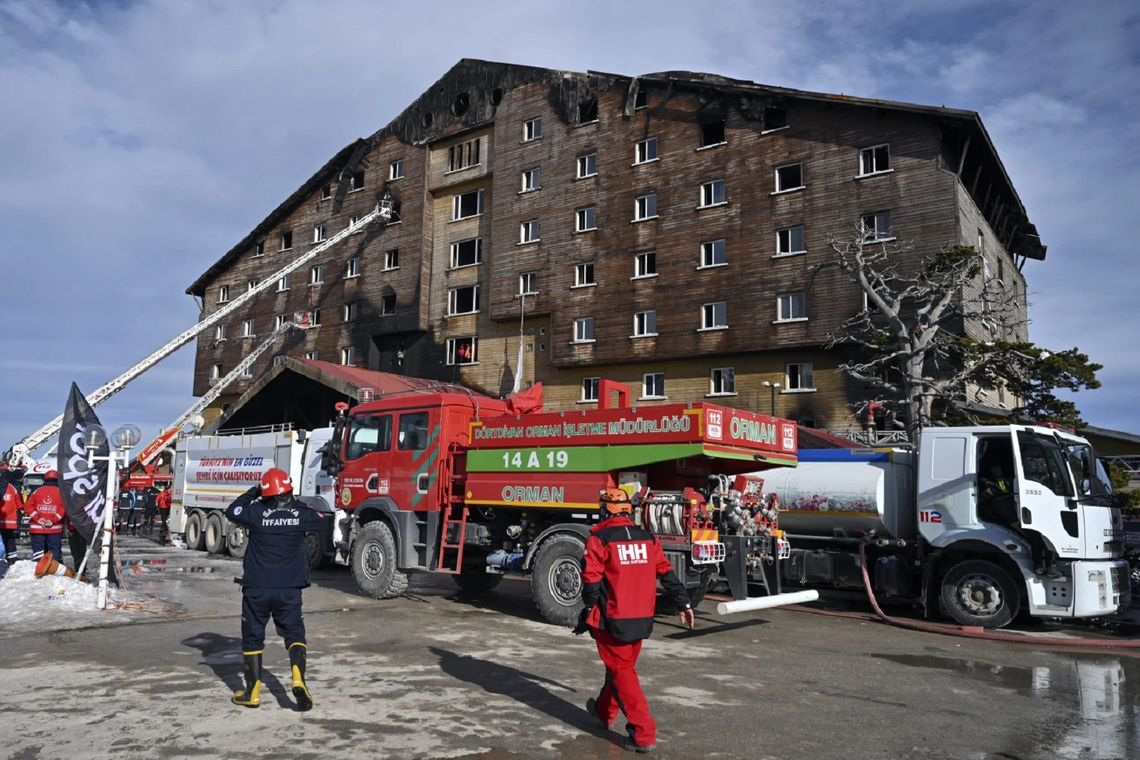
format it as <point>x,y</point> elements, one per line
<point>435,674</point>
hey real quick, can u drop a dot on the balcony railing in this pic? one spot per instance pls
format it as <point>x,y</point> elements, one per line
<point>874,437</point>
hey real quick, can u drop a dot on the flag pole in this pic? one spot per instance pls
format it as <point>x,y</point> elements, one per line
<point>107,530</point>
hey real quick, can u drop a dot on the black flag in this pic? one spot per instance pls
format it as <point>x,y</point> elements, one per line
<point>84,490</point>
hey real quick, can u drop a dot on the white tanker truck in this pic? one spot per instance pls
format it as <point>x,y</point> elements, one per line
<point>979,523</point>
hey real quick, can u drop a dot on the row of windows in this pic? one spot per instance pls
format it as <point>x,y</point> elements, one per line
<point>790,307</point>
<point>798,378</point>
<point>356,179</point>
<point>348,313</point>
<point>316,274</point>
<point>347,357</point>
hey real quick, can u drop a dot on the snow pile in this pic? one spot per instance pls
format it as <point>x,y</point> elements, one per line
<point>29,604</point>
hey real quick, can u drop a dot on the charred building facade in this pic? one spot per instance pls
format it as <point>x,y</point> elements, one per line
<point>661,230</point>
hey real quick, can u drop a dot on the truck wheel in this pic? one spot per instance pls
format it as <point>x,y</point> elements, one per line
<point>315,551</point>
<point>194,529</point>
<point>697,583</point>
<point>476,580</point>
<point>374,562</point>
<point>215,534</point>
<point>980,593</point>
<point>556,581</point>
<point>237,540</point>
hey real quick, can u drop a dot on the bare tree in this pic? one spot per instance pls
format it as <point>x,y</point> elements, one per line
<point>937,329</point>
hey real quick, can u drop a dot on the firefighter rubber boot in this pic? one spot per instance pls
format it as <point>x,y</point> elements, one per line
<point>250,696</point>
<point>301,693</point>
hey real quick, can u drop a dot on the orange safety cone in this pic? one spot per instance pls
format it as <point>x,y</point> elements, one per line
<point>49,566</point>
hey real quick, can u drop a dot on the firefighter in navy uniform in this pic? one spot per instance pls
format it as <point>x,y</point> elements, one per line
<point>275,569</point>
<point>623,563</point>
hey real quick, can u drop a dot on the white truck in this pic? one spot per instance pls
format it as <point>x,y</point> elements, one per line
<point>980,523</point>
<point>210,471</point>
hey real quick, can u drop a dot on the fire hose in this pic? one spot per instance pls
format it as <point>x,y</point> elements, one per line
<point>966,631</point>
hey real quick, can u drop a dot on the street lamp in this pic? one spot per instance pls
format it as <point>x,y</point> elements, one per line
<point>122,441</point>
<point>772,387</point>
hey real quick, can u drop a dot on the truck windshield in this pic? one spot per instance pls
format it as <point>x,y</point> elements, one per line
<point>1043,462</point>
<point>368,434</point>
<point>1088,472</point>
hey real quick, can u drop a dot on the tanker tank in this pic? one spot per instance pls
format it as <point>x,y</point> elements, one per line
<point>846,493</point>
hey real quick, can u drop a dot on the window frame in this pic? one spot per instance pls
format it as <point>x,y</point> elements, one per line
<point>396,170</point>
<point>391,259</point>
<point>348,356</point>
<point>702,143</point>
<point>384,301</point>
<point>709,193</point>
<point>875,216</point>
<point>317,274</point>
<point>526,227</point>
<point>453,300</point>
<point>453,346</point>
<point>582,168</point>
<point>793,297</point>
<point>219,332</point>
<point>531,180</point>
<point>637,151</point>
<point>644,200</point>
<point>590,385</point>
<point>457,205</point>
<point>649,272</point>
<point>532,129</point>
<point>709,313</point>
<point>586,219</point>
<point>710,246</point>
<point>645,324</point>
<point>645,386</point>
<point>223,294</point>
<point>349,310</point>
<point>531,278</point>
<point>789,230</point>
<point>464,155</point>
<point>320,233</point>
<point>249,328</point>
<point>282,283</point>
<point>583,322</point>
<point>730,373</point>
<point>779,189</point>
<point>285,240</point>
<point>873,153</point>
<point>454,253</point>
<point>579,268</point>
<point>356,181</point>
<point>799,387</point>
<point>352,267</point>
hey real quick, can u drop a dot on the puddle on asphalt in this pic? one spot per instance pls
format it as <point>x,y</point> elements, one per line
<point>1101,694</point>
<point>163,566</point>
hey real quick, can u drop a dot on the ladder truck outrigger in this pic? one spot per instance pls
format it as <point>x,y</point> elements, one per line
<point>20,454</point>
<point>450,481</point>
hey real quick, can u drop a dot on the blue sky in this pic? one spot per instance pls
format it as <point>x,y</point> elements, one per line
<point>141,140</point>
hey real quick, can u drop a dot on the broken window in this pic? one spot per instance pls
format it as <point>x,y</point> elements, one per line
<point>775,118</point>
<point>467,252</point>
<point>286,241</point>
<point>260,249</point>
<point>461,103</point>
<point>463,300</point>
<point>588,111</point>
<point>463,155</point>
<point>356,181</point>
<point>388,305</point>
<point>641,99</point>
<point>326,192</point>
<point>790,240</point>
<point>466,205</point>
<point>874,160</point>
<point>789,177</point>
<point>712,132</point>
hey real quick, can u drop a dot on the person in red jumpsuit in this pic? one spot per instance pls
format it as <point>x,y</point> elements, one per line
<point>623,563</point>
<point>46,516</point>
<point>10,506</point>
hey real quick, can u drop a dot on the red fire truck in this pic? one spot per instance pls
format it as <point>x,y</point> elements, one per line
<point>451,481</point>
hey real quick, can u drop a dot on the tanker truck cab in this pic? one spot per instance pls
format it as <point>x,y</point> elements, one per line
<point>1018,518</point>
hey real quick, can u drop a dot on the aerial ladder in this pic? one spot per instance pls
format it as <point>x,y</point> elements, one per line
<point>152,449</point>
<point>20,453</point>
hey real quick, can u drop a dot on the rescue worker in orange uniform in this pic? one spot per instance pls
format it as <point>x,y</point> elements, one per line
<point>163,500</point>
<point>46,516</point>
<point>10,506</point>
<point>623,563</point>
<point>274,570</point>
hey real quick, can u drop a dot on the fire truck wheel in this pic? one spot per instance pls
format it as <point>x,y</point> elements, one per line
<point>194,531</point>
<point>314,550</point>
<point>374,562</point>
<point>215,534</point>
<point>237,540</point>
<point>476,580</point>
<point>556,581</point>
<point>697,583</point>
<point>979,593</point>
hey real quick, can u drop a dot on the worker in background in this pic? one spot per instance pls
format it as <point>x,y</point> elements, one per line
<point>163,501</point>
<point>10,506</point>
<point>46,515</point>
<point>275,569</point>
<point>623,563</point>
<point>126,504</point>
<point>150,509</point>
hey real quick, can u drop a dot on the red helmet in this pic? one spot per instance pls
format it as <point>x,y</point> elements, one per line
<point>275,482</point>
<point>51,475</point>
<point>615,501</point>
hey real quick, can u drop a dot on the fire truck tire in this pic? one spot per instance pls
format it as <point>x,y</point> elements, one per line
<point>979,593</point>
<point>374,562</point>
<point>697,583</point>
<point>215,534</point>
<point>476,580</point>
<point>194,529</point>
<point>315,551</point>
<point>237,540</point>
<point>556,580</point>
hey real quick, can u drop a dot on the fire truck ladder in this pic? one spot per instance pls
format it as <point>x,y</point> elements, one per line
<point>24,448</point>
<point>454,511</point>
<point>152,449</point>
